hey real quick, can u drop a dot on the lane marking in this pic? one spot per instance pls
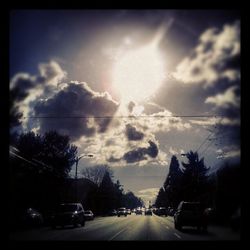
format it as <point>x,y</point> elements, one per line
<point>177,235</point>
<point>118,234</point>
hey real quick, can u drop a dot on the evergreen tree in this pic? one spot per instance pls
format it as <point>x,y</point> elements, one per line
<point>194,179</point>
<point>172,183</point>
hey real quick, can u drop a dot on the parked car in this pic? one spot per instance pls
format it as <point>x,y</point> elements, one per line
<point>88,215</point>
<point>112,212</point>
<point>122,211</point>
<point>190,214</point>
<point>162,211</point>
<point>68,214</point>
<point>171,211</point>
<point>129,211</point>
<point>32,218</point>
<point>148,212</point>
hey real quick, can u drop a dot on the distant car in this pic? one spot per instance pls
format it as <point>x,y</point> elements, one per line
<point>133,210</point>
<point>129,211</point>
<point>68,214</point>
<point>112,212</point>
<point>190,214</point>
<point>32,218</point>
<point>122,211</point>
<point>148,212</point>
<point>138,211</point>
<point>88,215</point>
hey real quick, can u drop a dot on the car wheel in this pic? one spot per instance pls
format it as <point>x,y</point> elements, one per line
<point>83,223</point>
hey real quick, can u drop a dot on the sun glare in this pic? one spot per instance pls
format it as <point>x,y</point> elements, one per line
<point>138,73</point>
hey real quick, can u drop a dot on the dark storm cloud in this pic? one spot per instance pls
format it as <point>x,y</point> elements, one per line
<point>77,110</point>
<point>140,154</point>
<point>20,86</point>
<point>23,84</point>
<point>132,134</point>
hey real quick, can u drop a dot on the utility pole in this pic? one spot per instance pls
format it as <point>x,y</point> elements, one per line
<point>76,173</point>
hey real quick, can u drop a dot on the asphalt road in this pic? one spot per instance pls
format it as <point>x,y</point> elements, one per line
<point>132,227</point>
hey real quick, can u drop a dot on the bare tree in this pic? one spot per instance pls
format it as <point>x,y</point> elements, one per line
<point>96,173</point>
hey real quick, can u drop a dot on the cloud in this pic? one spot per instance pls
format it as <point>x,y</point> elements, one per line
<point>174,151</point>
<point>231,154</point>
<point>26,88</point>
<point>21,84</point>
<point>140,154</point>
<point>216,121</point>
<point>216,57</point>
<point>51,73</point>
<point>132,134</point>
<point>225,100</point>
<point>148,194</point>
<point>86,111</point>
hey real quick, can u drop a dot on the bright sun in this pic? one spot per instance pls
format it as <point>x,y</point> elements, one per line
<point>138,73</point>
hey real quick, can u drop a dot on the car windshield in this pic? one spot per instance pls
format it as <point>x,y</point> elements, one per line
<point>122,209</point>
<point>88,212</point>
<point>67,208</point>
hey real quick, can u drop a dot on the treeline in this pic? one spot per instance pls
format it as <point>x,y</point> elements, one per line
<point>192,181</point>
<point>39,178</point>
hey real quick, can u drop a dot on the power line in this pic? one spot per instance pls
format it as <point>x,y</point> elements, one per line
<point>32,162</point>
<point>208,146</point>
<point>129,116</point>
<point>207,138</point>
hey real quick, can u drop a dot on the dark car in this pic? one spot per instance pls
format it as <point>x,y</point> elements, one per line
<point>170,211</point>
<point>68,214</point>
<point>32,218</point>
<point>138,211</point>
<point>148,212</point>
<point>112,212</point>
<point>162,211</point>
<point>88,214</point>
<point>190,214</point>
<point>122,211</point>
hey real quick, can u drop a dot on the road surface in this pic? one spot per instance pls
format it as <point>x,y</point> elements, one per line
<point>130,228</point>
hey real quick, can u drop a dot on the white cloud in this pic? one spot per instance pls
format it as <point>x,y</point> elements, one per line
<point>209,59</point>
<point>216,121</point>
<point>226,99</point>
<point>148,194</point>
<point>222,154</point>
<point>174,151</point>
<point>51,72</point>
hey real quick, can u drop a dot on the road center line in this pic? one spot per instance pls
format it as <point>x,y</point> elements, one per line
<point>118,234</point>
<point>177,235</point>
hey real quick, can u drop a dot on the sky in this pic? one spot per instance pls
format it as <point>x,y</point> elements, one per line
<point>131,87</point>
